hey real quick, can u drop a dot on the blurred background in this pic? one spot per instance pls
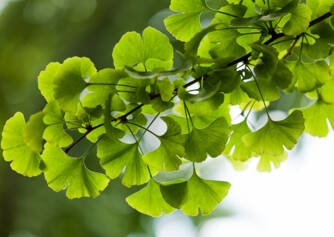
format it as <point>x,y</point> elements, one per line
<point>293,200</point>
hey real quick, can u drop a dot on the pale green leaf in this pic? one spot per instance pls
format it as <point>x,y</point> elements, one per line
<point>167,156</point>
<point>69,82</point>
<point>316,117</point>
<point>23,159</point>
<point>64,172</point>
<point>115,156</point>
<point>101,85</point>
<point>149,200</point>
<point>271,139</point>
<point>311,76</point>
<point>184,25</point>
<point>204,195</point>
<point>299,20</point>
<point>264,164</point>
<point>236,149</point>
<point>166,89</point>
<point>45,80</point>
<point>151,52</point>
<point>54,132</point>
<point>215,136</point>
<point>33,132</point>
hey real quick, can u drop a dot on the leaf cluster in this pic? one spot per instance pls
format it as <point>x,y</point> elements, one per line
<point>250,55</point>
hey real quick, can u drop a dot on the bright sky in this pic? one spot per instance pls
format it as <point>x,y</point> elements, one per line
<point>295,200</point>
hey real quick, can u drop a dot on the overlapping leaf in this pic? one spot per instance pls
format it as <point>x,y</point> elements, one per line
<point>167,156</point>
<point>69,82</point>
<point>215,135</point>
<point>115,156</point>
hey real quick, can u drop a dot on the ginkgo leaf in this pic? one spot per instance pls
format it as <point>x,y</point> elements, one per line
<point>149,200</point>
<point>326,92</point>
<point>265,161</point>
<point>204,195</point>
<point>111,131</point>
<point>215,136</point>
<point>235,148</point>
<point>166,89</point>
<point>151,52</point>
<point>319,7</point>
<point>115,156</point>
<point>54,132</point>
<point>267,64</point>
<point>268,88</point>
<point>299,20</point>
<point>101,85</point>
<point>311,76</point>
<point>316,117</point>
<point>33,132</point>
<point>275,135</point>
<point>45,80</point>
<point>15,150</point>
<point>167,156</point>
<point>64,172</point>
<point>184,25</point>
<point>175,193</point>
<point>69,82</point>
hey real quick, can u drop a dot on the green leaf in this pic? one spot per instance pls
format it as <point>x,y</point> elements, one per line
<point>54,132</point>
<point>175,193</point>
<point>15,150</point>
<point>69,82</point>
<point>151,52</point>
<point>264,164</point>
<point>299,20</point>
<point>316,117</point>
<point>149,200</point>
<point>311,76</point>
<point>271,139</point>
<point>166,89</point>
<point>268,88</point>
<point>167,156</point>
<point>267,64</point>
<point>326,92</point>
<point>224,80</point>
<point>204,107</point>
<point>186,24</point>
<point>115,156</point>
<point>161,106</point>
<point>224,44</point>
<point>101,85</point>
<point>215,135</point>
<point>319,7</point>
<point>45,80</point>
<point>111,131</point>
<point>192,46</point>
<point>64,172</point>
<point>33,132</point>
<point>204,195</point>
<point>282,77</point>
<point>240,151</point>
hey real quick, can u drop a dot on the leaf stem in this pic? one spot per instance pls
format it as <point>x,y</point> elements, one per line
<point>142,127</point>
<point>260,92</point>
